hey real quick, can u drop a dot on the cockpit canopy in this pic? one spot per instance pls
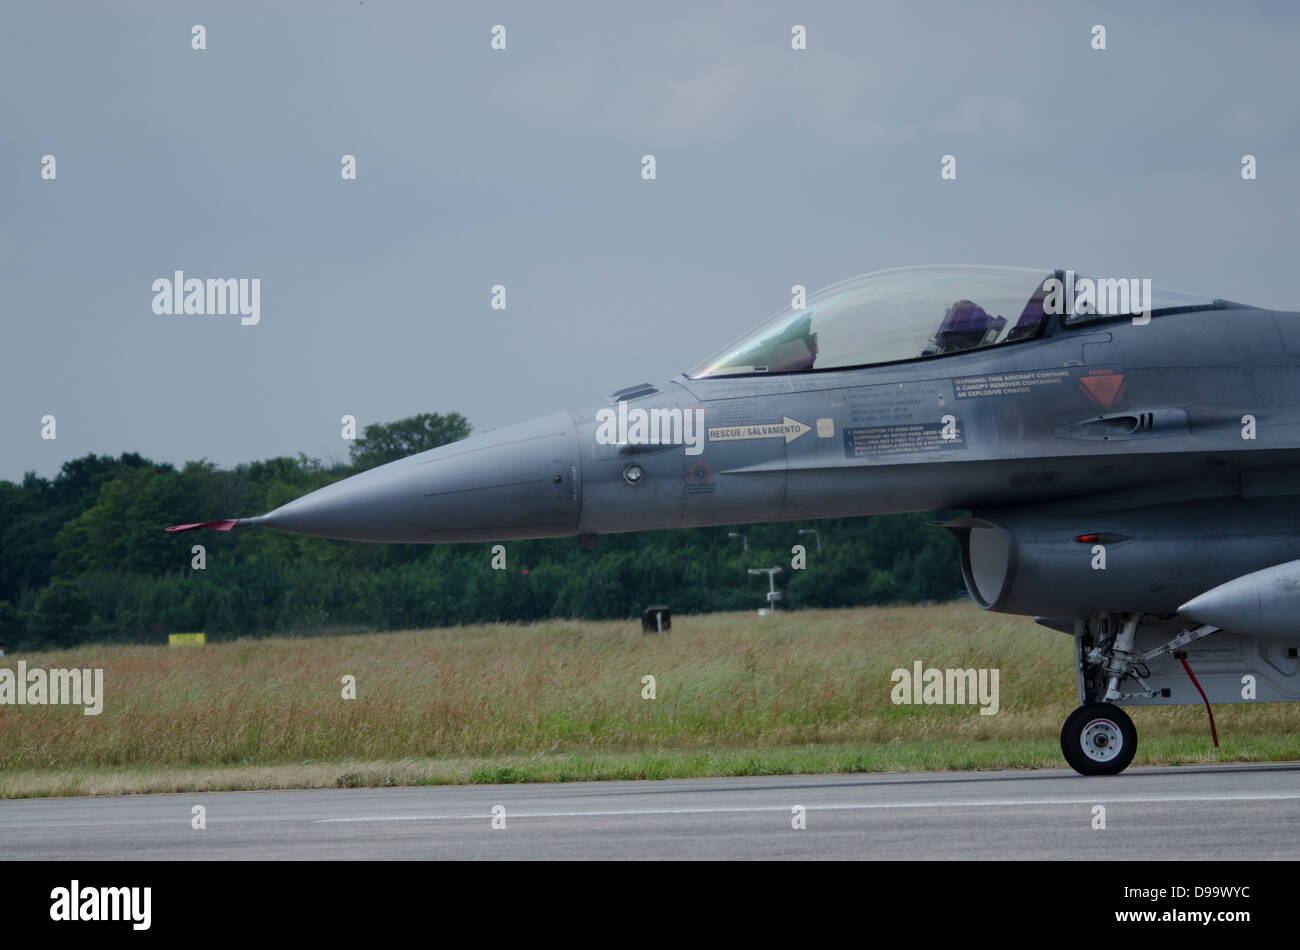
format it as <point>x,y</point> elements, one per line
<point>908,313</point>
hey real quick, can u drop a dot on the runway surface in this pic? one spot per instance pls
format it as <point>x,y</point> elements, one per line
<point>1193,812</point>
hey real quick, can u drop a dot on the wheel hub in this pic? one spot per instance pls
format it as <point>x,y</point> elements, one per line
<point>1101,740</point>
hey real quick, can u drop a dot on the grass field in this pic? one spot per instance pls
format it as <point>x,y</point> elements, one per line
<point>805,691</point>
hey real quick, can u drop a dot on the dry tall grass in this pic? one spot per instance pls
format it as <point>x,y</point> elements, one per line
<point>568,687</point>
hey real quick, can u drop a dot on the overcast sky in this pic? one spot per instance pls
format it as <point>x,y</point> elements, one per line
<point>522,167</point>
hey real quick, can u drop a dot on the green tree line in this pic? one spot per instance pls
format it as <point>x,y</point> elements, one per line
<point>84,558</point>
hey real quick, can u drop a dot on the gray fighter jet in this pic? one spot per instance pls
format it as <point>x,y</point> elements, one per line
<point>1130,458</point>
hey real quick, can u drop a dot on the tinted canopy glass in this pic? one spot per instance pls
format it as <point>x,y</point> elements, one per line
<point>892,315</point>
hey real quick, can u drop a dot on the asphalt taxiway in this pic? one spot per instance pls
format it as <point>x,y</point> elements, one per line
<point>1176,813</point>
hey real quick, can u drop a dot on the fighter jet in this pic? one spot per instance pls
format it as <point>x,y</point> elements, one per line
<point>1129,458</point>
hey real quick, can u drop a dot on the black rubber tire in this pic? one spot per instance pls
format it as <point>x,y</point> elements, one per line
<point>1101,725</point>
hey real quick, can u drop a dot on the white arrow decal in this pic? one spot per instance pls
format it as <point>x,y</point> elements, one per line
<point>788,428</point>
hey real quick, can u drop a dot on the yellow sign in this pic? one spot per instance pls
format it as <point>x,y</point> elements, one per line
<point>184,639</point>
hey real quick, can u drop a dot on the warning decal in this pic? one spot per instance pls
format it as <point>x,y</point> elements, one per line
<point>1007,384</point>
<point>1104,386</point>
<point>888,440</point>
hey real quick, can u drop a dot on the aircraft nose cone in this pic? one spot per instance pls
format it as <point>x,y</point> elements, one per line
<point>522,481</point>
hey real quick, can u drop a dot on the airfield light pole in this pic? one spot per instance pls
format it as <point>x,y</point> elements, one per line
<point>773,595</point>
<point>814,533</point>
<point>737,534</point>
